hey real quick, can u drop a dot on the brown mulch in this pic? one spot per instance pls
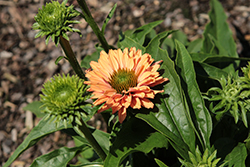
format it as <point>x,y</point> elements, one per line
<point>25,62</point>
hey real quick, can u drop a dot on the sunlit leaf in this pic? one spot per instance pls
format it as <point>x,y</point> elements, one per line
<point>44,128</point>
<point>36,108</point>
<point>59,157</point>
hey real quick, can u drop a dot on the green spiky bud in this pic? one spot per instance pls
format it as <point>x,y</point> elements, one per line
<point>54,19</point>
<point>64,97</point>
<point>199,160</point>
<point>246,71</point>
<point>232,97</point>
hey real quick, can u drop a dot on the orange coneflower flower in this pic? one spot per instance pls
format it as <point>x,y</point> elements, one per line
<point>124,79</point>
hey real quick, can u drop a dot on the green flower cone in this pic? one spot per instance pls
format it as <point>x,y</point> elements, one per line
<point>232,97</point>
<point>53,20</point>
<point>205,160</point>
<point>63,98</point>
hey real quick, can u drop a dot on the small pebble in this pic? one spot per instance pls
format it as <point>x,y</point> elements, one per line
<point>14,135</point>
<point>6,149</point>
<point>5,55</point>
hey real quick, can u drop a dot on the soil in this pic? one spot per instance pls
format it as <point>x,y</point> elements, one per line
<point>25,62</point>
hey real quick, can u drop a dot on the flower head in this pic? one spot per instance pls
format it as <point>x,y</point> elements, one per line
<point>54,19</point>
<point>124,79</point>
<point>64,97</point>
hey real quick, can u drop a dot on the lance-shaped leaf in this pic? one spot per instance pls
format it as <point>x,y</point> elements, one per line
<point>218,37</point>
<point>196,103</point>
<point>172,118</point>
<point>59,157</point>
<point>44,128</point>
<point>36,108</point>
<point>219,30</point>
<point>140,33</point>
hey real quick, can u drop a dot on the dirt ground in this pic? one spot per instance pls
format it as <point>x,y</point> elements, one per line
<point>25,62</point>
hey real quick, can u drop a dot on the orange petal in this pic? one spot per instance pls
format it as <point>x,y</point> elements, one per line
<point>113,60</point>
<point>105,63</point>
<point>122,114</point>
<point>158,81</point>
<point>103,108</point>
<point>135,103</point>
<point>158,91</point>
<point>126,100</point>
<point>116,108</point>
<point>100,100</point>
<point>132,52</point>
<point>119,57</point>
<point>139,94</point>
<point>94,65</point>
<point>146,82</point>
<point>125,59</point>
<point>109,92</point>
<point>139,89</point>
<point>150,95</point>
<point>144,75</point>
<point>147,103</point>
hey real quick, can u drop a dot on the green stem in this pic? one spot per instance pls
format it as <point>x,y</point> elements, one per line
<point>71,57</point>
<point>89,19</point>
<point>85,132</point>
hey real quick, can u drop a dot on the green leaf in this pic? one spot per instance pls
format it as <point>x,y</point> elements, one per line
<point>219,29</point>
<point>154,45</point>
<point>101,137</point>
<point>202,57</point>
<point>59,157</point>
<point>35,107</point>
<point>93,57</point>
<point>111,13</point>
<point>191,89</point>
<point>134,136</point>
<point>210,71</point>
<point>160,163</point>
<point>220,59</point>
<point>162,123</point>
<point>238,156</point>
<point>127,42</point>
<point>140,33</point>
<point>89,164</point>
<point>58,59</point>
<point>172,117</point>
<point>168,44</point>
<point>39,33</point>
<point>180,36</point>
<point>195,46</point>
<point>213,58</point>
<point>90,110</point>
<point>44,128</point>
<point>215,35</point>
